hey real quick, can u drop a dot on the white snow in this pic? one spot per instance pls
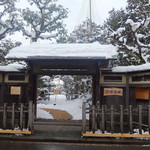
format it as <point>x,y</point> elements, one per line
<point>63,50</point>
<point>120,30</point>
<point>147,22</point>
<point>14,67</point>
<point>134,25</point>
<point>74,107</point>
<point>131,68</point>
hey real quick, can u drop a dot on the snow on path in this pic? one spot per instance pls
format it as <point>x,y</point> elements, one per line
<point>73,107</point>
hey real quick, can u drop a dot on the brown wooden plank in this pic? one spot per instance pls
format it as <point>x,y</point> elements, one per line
<point>16,131</point>
<point>89,134</point>
<point>4,115</point>
<point>84,117</point>
<point>13,116</point>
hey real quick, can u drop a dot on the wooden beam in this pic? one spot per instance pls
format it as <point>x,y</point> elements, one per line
<point>17,132</point>
<point>126,135</point>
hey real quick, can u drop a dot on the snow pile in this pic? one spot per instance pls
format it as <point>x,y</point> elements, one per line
<point>136,131</point>
<point>131,68</point>
<point>95,50</point>
<point>73,107</point>
<point>14,67</point>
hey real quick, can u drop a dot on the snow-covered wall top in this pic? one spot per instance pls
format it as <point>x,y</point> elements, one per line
<point>131,68</point>
<point>14,67</point>
<point>63,50</point>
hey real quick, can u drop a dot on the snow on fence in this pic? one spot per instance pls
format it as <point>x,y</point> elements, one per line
<point>17,119</point>
<point>116,122</point>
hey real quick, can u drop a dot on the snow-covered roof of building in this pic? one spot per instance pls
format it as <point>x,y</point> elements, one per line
<point>14,67</point>
<point>132,68</point>
<point>66,51</point>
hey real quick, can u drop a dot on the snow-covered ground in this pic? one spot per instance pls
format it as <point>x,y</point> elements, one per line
<point>74,107</point>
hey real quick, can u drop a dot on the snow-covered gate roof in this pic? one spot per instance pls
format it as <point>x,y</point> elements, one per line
<point>63,51</point>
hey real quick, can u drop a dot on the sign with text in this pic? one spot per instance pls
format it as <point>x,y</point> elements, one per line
<point>15,90</point>
<point>56,92</point>
<point>113,91</point>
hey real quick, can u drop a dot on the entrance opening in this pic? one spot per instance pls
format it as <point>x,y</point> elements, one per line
<point>60,97</point>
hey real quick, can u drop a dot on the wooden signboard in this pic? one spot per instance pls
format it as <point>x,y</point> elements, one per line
<point>142,93</point>
<point>113,91</point>
<point>15,90</point>
<point>56,92</point>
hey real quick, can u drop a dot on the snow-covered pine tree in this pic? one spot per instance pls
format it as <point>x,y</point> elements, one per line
<point>77,86</point>
<point>115,20</point>
<point>5,46</point>
<point>133,37</point>
<point>9,20</point>
<point>45,22</point>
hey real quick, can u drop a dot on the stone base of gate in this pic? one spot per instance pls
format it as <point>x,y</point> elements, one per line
<point>17,132</point>
<point>115,135</point>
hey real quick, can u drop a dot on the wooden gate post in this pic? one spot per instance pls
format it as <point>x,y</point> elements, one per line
<point>93,118</point>
<point>103,118</point>
<point>130,119</point>
<point>149,118</point>
<point>5,116</point>
<point>21,116</point>
<point>13,116</point>
<point>112,118</point>
<point>121,119</point>
<point>140,118</point>
<point>30,116</point>
<point>98,114</point>
<point>90,117</point>
<point>84,117</point>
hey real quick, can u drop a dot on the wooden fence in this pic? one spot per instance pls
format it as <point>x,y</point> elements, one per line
<point>17,119</point>
<point>115,122</point>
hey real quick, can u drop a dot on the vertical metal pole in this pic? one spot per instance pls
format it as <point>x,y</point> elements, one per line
<point>90,5</point>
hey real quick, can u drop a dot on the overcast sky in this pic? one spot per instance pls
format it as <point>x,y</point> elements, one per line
<point>79,10</point>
